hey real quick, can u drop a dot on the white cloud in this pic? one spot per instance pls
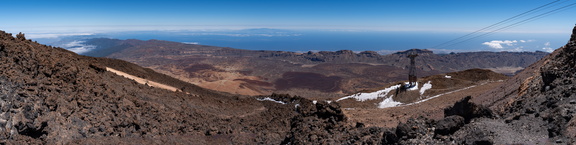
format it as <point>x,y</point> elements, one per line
<point>497,44</point>
<point>547,47</point>
<point>191,43</point>
<point>507,45</point>
<point>384,52</point>
<point>517,49</point>
<point>78,47</point>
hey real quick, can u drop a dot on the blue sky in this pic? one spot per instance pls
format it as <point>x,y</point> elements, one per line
<point>92,16</point>
<point>394,15</point>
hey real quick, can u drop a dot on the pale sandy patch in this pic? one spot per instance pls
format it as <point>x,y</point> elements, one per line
<point>142,81</point>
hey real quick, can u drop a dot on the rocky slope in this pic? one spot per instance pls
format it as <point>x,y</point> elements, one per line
<point>53,96</point>
<point>534,107</point>
<point>249,72</point>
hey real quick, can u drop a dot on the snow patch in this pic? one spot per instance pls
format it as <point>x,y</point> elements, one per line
<point>436,96</point>
<point>447,76</point>
<point>414,88</point>
<point>378,94</point>
<point>270,99</point>
<point>371,96</point>
<point>388,102</point>
<point>425,87</point>
<point>314,102</point>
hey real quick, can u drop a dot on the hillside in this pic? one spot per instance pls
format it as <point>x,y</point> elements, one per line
<point>311,74</point>
<point>388,106</point>
<point>536,106</point>
<point>54,96</point>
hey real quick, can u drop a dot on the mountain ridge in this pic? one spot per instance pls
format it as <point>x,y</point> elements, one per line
<point>250,72</point>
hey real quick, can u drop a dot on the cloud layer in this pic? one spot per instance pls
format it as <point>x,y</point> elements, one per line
<point>507,45</point>
<point>78,47</point>
<point>547,47</point>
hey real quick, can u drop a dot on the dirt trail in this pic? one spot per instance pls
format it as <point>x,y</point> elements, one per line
<point>142,81</point>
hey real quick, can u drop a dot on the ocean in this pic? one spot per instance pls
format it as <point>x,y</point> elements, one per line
<point>379,41</point>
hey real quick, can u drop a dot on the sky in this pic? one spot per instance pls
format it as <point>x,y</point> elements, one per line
<point>47,18</point>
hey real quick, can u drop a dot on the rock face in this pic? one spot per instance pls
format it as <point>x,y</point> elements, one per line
<point>549,94</point>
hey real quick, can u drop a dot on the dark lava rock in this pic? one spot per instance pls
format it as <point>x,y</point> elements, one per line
<point>449,125</point>
<point>468,110</point>
<point>389,138</point>
<point>413,128</point>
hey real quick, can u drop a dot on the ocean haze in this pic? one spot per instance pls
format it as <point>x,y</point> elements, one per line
<point>383,42</point>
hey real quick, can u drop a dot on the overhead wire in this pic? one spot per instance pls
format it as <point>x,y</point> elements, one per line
<point>513,25</point>
<point>498,23</point>
<point>484,31</point>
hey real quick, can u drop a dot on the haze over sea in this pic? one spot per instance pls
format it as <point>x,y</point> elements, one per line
<point>383,42</point>
<point>305,25</point>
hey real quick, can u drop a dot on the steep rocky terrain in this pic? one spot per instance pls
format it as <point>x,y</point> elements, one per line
<point>534,107</point>
<point>334,74</point>
<point>54,96</point>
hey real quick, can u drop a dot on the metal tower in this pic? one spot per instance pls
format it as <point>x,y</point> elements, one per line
<point>412,72</point>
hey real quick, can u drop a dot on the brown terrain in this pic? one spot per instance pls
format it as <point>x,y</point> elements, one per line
<point>448,91</point>
<point>327,74</point>
<point>53,96</point>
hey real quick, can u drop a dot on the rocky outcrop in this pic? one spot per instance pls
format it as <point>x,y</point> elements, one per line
<point>468,110</point>
<point>449,125</point>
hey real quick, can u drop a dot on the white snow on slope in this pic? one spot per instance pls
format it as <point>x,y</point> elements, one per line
<point>371,96</point>
<point>424,100</point>
<point>425,87</point>
<point>388,102</point>
<point>378,94</point>
<point>270,99</point>
<point>413,88</point>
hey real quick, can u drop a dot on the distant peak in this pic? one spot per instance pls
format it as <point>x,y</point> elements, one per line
<point>417,51</point>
